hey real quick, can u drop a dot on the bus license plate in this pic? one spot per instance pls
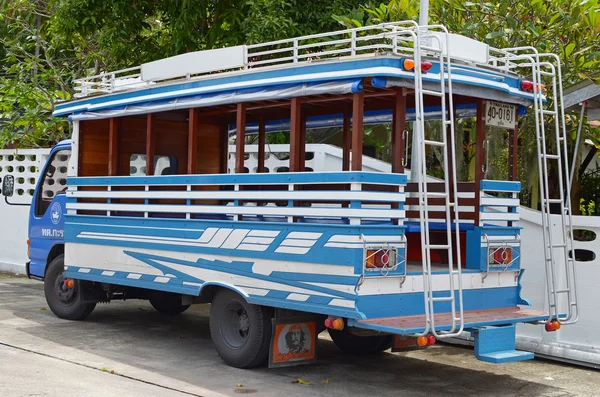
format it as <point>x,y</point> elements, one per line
<point>500,115</point>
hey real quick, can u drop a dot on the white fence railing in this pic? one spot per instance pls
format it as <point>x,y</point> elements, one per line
<point>25,166</point>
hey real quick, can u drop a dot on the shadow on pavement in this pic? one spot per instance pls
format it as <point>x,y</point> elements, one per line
<point>179,347</point>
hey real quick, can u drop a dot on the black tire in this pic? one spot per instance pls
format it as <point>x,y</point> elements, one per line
<point>168,303</point>
<point>66,303</point>
<point>360,345</point>
<point>241,332</point>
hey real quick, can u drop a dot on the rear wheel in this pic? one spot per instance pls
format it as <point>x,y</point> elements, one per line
<point>64,301</point>
<point>168,303</point>
<point>360,345</point>
<point>241,332</point>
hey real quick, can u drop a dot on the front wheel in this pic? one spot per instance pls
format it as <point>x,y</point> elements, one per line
<point>64,301</point>
<point>241,332</point>
<point>360,345</point>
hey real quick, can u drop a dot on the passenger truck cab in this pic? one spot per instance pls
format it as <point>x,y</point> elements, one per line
<point>46,218</point>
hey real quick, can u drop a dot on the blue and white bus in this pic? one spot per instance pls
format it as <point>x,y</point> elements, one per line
<point>140,203</point>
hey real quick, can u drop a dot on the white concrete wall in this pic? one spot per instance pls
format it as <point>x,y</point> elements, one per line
<point>575,342</point>
<point>326,158</point>
<point>25,166</point>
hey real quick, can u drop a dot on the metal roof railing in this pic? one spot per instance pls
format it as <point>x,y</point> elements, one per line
<point>395,39</point>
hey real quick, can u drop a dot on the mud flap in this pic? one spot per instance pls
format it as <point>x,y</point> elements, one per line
<point>293,341</point>
<point>403,343</point>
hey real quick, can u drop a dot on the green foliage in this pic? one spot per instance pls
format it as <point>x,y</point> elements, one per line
<point>569,28</point>
<point>589,203</point>
<point>45,44</point>
<point>279,19</point>
<point>33,75</point>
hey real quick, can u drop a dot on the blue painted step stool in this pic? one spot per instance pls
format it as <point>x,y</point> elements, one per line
<point>498,345</point>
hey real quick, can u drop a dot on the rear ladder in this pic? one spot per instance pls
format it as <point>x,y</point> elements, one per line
<point>560,274</point>
<point>449,193</point>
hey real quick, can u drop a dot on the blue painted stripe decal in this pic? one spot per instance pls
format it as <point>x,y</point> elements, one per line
<point>230,268</point>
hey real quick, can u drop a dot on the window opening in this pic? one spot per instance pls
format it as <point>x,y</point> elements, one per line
<point>54,180</point>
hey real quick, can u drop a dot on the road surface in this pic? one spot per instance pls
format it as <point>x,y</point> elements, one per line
<point>128,349</point>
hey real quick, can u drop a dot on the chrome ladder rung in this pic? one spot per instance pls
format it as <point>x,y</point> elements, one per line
<point>551,156</point>
<point>433,93</point>
<point>562,291</point>
<point>443,299</point>
<point>439,246</point>
<point>557,246</point>
<point>435,143</point>
<point>556,201</point>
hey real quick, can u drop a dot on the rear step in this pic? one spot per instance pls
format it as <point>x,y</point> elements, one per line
<point>410,325</point>
<point>497,345</point>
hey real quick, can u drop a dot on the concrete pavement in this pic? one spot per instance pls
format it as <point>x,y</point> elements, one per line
<point>153,355</point>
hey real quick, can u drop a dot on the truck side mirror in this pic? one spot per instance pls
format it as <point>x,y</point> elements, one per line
<point>8,186</point>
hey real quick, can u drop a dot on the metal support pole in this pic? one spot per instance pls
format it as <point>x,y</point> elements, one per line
<point>424,13</point>
<point>583,106</point>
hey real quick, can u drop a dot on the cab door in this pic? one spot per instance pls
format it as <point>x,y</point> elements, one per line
<point>46,220</point>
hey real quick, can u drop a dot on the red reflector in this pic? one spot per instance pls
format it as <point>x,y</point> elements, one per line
<point>430,340</point>
<point>527,85</point>
<point>550,326</point>
<point>425,66</point>
<point>329,323</point>
<point>380,258</point>
<point>502,256</point>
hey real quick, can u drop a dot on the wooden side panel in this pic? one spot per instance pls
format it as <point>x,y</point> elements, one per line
<point>93,150</point>
<point>209,149</point>
<point>172,140</point>
<point>132,140</point>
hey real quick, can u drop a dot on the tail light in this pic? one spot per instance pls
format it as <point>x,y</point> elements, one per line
<point>528,86</point>
<point>501,256</point>
<point>335,323</point>
<point>552,326</point>
<point>409,65</point>
<point>382,258</point>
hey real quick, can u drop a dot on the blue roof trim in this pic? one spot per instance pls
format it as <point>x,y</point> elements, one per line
<point>313,73</point>
<point>357,86</point>
<point>206,84</point>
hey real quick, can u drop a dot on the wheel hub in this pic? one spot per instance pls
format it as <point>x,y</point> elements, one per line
<point>235,325</point>
<point>244,322</point>
<point>64,293</point>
